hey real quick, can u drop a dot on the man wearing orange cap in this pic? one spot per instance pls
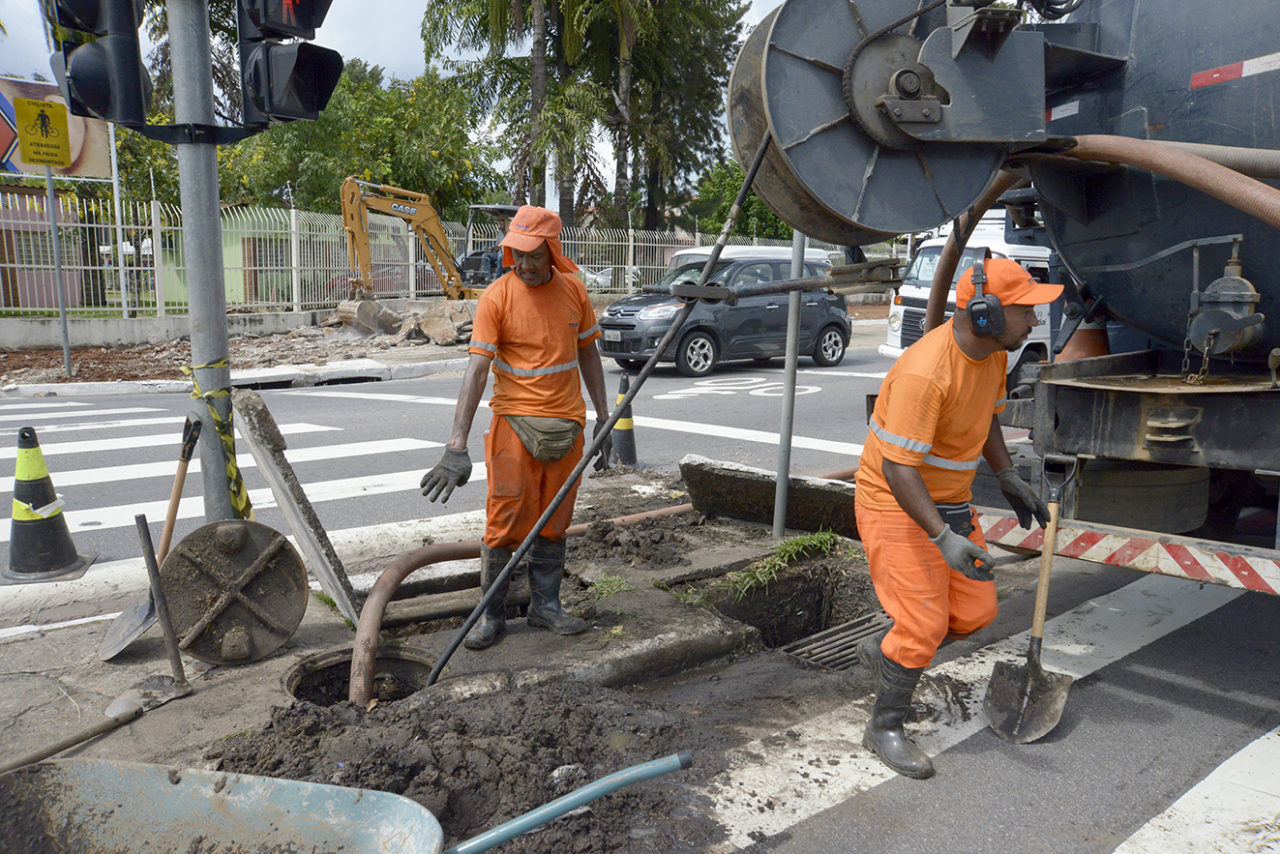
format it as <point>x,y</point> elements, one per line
<point>934,419</point>
<point>536,329</point>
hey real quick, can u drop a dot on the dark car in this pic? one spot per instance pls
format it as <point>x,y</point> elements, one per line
<point>754,328</point>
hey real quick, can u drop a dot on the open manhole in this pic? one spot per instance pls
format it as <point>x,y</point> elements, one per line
<point>817,610</point>
<point>324,679</point>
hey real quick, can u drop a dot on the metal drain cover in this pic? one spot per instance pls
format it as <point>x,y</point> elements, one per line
<point>836,648</point>
<point>236,591</point>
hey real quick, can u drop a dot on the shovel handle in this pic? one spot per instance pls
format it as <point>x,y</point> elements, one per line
<point>190,435</point>
<point>70,741</point>
<point>1046,564</point>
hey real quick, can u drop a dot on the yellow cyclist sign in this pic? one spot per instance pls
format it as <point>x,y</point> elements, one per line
<point>43,137</point>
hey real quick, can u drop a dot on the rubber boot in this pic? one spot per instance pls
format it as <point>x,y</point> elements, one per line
<point>884,735</point>
<point>493,620</point>
<point>869,653</point>
<point>546,569</point>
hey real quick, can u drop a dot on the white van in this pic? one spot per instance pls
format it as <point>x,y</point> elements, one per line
<point>734,253</point>
<point>906,315</point>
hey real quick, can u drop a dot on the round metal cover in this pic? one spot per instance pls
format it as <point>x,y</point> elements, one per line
<point>853,178</point>
<point>236,591</point>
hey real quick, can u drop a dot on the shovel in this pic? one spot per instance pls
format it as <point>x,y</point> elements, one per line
<point>141,615</point>
<point>1024,703</point>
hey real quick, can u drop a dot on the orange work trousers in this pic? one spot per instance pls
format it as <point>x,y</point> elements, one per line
<point>926,598</point>
<point>521,487</point>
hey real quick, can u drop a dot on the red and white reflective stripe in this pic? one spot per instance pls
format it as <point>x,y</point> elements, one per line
<point>1061,111</point>
<point>1186,557</point>
<point>1236,70</point>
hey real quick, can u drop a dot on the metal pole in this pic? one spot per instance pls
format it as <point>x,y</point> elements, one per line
<point>789,390</point>
<point>115,197</point>
<point>57,266</point>
<point>157,268</point>
<point>295,264</point>
<point>202,242</point>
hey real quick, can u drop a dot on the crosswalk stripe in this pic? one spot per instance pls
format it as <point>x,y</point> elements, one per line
<point>34,418</point>
<point>10,433</point>
<point>1226,811</point>
<point>101,518</point>
<point>111,474</point>
<point>763,437</point>
<point>43,404</point>
<point>828,372</point>
<point>124,443</point>
<point>773,784</point>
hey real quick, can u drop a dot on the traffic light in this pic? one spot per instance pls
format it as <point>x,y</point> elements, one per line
<point>280,81</point>
<point>102,77</point>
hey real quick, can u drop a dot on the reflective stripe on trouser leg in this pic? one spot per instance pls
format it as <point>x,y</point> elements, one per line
<point>925,597</point>
<point>521,487</point>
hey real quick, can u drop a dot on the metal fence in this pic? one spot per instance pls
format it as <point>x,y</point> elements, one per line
<point>129,261</point>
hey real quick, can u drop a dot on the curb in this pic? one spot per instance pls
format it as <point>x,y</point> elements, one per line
<point>350,370</point>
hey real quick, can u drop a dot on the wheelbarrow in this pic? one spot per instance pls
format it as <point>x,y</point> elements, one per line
<point>95,806</point>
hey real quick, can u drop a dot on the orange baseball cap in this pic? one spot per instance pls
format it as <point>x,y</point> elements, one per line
<point>1009,282</point>
<point>530,227</point>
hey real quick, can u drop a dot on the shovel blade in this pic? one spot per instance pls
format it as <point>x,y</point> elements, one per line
<point>128,627</point>
<point>1025,702</point>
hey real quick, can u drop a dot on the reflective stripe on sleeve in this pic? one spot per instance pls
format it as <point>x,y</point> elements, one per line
<point>492,348</point>
<point>953,465</point>
<point>535,372</point>
<point>900,441</point>
<point>592,331</point>
<point>1001,402</point>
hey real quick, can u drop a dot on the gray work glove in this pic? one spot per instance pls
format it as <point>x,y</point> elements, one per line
<point>602,461</point>
<point>1022,498</point>
<point>963,555</point>
<point>451,472</point>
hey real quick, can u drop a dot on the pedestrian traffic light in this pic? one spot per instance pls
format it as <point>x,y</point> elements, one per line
<point>280,81</point>
<point>102,77</point>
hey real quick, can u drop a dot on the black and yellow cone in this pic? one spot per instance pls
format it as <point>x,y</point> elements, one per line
<point>623,434</point>
<point>40,547</point>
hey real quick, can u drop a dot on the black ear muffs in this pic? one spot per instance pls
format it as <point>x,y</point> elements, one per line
<point>986,313</point>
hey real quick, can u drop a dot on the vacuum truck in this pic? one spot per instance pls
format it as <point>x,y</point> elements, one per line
<point>1139,140</point>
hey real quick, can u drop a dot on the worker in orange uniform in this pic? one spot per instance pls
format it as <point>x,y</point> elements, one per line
<point>935,417</point>
<point>536,329</point>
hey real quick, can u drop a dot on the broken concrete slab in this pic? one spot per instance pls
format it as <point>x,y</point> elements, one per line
<point>742,492</point>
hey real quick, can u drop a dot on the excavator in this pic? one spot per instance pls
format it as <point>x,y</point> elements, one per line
<point>361,197</point>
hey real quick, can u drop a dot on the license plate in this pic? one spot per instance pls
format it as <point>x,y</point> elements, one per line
<point>613,335</point>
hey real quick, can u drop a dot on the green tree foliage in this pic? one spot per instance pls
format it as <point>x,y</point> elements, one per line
<point>414,134</point>
<point>716,191</point>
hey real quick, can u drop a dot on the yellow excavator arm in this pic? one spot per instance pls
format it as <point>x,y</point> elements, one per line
<point>360,197</point>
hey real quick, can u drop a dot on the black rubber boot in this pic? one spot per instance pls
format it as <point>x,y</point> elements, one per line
<point>546,569</point>
<point>869,653</point>
<point>493,620</point>
<point>884,735</point>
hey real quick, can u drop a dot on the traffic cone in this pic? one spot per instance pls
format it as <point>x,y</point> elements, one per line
<point>624,431</point>
<point>1089,340</point>
<point>40,547</point>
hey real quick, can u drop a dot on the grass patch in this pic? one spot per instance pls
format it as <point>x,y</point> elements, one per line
<point>785,553</point>
<point>332,605</point>
<point>609,585</point>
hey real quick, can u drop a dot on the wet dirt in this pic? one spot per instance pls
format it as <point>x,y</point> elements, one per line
<point>477,763</point>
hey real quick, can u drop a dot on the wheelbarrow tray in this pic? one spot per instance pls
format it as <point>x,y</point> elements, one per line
<point>96,806</point>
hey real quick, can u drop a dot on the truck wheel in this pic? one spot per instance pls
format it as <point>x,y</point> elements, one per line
<point>697,355</point>
<point>829,350</point>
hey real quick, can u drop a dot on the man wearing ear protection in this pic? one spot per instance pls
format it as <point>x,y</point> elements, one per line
<point>935,418</point>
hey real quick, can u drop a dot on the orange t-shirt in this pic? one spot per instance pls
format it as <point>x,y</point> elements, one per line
<point>934,414</point>
<point>533,336</point>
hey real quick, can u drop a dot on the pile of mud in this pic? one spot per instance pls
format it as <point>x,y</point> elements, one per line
<point>651,542</point>
<point>477,763</point>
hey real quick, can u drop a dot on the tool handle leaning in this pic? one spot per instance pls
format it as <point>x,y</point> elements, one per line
<point>1046,564</point>
<point>72,740</point>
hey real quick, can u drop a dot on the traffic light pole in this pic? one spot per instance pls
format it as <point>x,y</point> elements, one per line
<point>202,243</point>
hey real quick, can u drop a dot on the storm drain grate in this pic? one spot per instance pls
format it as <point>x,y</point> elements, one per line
<point>836,648</point>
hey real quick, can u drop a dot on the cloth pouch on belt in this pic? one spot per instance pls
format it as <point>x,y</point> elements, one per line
<point>958,517</point>
<point>547,439</point>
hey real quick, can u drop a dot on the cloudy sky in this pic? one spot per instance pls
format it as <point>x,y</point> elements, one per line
<point>381,32</point>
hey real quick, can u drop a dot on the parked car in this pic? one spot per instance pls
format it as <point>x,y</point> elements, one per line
<point>754,328</point>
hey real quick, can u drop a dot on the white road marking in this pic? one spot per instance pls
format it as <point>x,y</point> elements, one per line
<point>34,418</point>
<point>763,437</point>
<point>58,449</point>
<point>111,474</point>
<point>100,425</point>
<point>101,518</point>
<point>1235,808</point>
<point>829,372</point>
<point>43,404</point>
<point>777,781</point>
